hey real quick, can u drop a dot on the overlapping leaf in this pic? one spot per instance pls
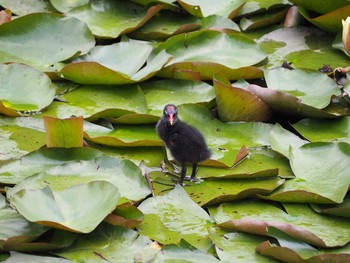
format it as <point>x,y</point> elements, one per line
<point>110,65</point>
<point>32,33</point>
<point>194,52</point>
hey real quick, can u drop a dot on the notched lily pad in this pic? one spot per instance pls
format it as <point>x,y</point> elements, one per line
<point>194,52</point>
<point>125,216</point>
<point>111,65</point>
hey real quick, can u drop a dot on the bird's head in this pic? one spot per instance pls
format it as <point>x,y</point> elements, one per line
<point>170,113</point>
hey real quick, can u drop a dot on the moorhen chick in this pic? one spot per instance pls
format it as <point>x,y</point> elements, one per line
<point>186,143</point>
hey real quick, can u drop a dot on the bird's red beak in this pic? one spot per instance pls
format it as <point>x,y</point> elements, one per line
<point>171,118</point>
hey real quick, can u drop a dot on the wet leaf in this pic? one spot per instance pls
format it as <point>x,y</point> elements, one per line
<point>193,52</point>
<point>125,216</point>
<point>292,250</point>
<point>321,6</point>
<point>158,93</point>
<point>325,130</point>
<point>107,243</point>
<point>206,8</point>
<point>109,18</point>
<point>21,8</point>
<point>342,210</point>
<point>110,65</point>
<point>99,101</point>
<point>299,221</point>
<point>14,171</point>
<point>165,24</point>
<point>236,104</point>
<point>16,229</point>
<point>238,247</point>
<point>32,33</point>
<point>219,23</point>
<point>64,132</point>
<point>173,217</point>
<point>79,208</point>
<point>310,87</point>
<point>21,85</point>
<point>256,6</point>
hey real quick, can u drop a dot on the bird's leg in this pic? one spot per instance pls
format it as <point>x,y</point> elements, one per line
<point>183,173</point>
<point>194,170</point>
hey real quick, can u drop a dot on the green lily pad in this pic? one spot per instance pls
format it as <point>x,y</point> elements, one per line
<point>299,222</point>
<point>282,140</point>
<point>258,6</point>
<point>310,87</point>
<point>342,210</point>
<point>262,20</point>
<point>16,229</point>
<point>173,217</point>
<point>304,47</point>
<point>158,93</point>
<point>289,249</point>
<point>206,8</point>
<point>238,247</point>
<point>21,86</point>
<point>107,242</point>
<point>20,136</point>
<point>32,33</point>
<point>193,52</point>
<point>22,8</point>
<point>288,104</point>
<point>110,65</point>
<point>330,21</point>
<point>93,102</point>
<point>110,18</point>
<point>326,130</point>
<point>66,133</point>
<point>21,257</point>
<point>65,6</point>
<point>309,165</point>
<point>12,172</point>
<point>121,173</point>
<point>219,23</point>
<point>122,135</point>
<point>165,24</point>
<point>321,6</point>
<point>236,104</point>
<point>125,216</point>
<point>183,253</point>
<point>79,208</point>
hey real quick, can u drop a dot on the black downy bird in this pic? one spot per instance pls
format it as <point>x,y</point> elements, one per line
<point>186,143</point>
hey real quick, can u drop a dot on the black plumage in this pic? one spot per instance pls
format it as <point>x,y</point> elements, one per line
<point>186,143</point>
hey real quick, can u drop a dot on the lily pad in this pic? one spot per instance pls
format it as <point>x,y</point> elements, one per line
<point>258,6</point>
<point>20,136</point>
<point>32,33</point>
<point>125,216</point>
<point>21,8</point>
<point>309,165</point>
<point>310,87</point>
<point>321,6</point>
<point>173,217</point>
<point>219,23</point>
<point>121,173</point>
<point>21,85</point>
<point>21,257</point>
<point>79,208</point>
<point>342,210</point>
<point>158,93</point>
<point>12,172</point>
<point>110,65</point>
<point>165,24</point>
<point>206,8</point>
<point>99,101</point>
<point>330,21</point>
<point>110,18</point>
<point>194,52</point>
<point>64,132</point>
<point>107,242</point>
<point>299,222</point>
<point>65,6</point>
<point>16,229</point>
<point>289,249</point>
<point>236,104</point>
<point>326,130</point>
